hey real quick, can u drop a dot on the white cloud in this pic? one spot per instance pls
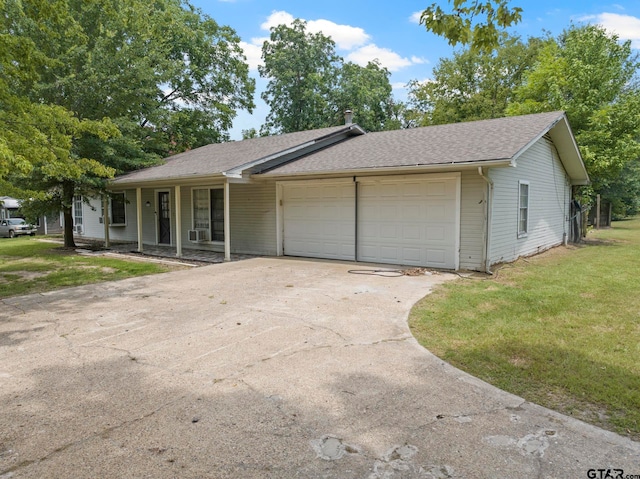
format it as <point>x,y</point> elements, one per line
<point>387,58</point>
<point>626,27</point>
<point>415,17</point>
<point>348,38</point>
<point>277,18</point>
<point>345,36</point>
<point>253,52</point>
<point>399,85</point>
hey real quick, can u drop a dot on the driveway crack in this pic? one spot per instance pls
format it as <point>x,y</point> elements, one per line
<point>102,433</point>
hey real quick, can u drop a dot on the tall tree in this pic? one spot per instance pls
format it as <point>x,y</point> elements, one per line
<point>310,86</point>
<point>366,91</point>
<point>477,23</point>
<point>168,77</point>
<point>591,75</point>
<point>302,69</point>
<point>474,85</point>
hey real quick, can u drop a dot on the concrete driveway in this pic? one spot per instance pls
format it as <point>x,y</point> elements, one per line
<point>264,368</point>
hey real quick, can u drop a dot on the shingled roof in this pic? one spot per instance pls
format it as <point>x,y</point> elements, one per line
<point>451,144</point>
<point>218,158</point>
<point>346,149</point>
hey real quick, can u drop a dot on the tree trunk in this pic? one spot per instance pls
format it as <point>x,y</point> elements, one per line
<point>67,201</point>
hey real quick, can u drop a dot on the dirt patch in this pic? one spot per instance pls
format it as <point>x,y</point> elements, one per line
<point>24,275</point>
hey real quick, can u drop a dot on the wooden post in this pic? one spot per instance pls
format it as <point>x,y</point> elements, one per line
<point>105,220</point>
<point>597,212</point>
<point>139,217</point>
<point>178,221</point>
<point>227,223</point>
<point>610,213</point>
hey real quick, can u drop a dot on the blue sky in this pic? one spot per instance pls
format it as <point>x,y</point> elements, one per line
<point>389,31</point>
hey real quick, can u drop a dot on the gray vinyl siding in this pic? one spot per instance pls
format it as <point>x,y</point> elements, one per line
<point>149,235</point>
<point>129,232</point>
<point>252,219</point>
<point>549,196</point>
<point>472,220</point>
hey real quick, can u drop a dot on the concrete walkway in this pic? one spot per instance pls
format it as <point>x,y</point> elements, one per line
<point>264,368</point>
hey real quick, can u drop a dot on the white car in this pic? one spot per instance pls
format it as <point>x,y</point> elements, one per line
<point>11,227</point>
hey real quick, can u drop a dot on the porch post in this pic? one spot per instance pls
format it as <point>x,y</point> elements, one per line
<point>178,223</point>
<point>105,220</point>
<point>227,228</point>
<point>139,217</point>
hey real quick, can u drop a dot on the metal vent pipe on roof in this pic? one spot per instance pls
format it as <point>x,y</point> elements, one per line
<point>348,117</point>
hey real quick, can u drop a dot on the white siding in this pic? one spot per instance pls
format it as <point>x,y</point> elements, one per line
<point>149,235</point>
<point>92,227</point>
<point>472,220</point>
<point>549,196</point>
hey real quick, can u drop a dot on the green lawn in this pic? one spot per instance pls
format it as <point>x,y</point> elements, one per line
<point>561,329</point>
<point>28,265</point>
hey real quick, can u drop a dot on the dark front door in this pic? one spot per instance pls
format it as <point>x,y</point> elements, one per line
<point>164,218</point>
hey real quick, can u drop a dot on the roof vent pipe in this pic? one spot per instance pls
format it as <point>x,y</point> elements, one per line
<point>348,117</point>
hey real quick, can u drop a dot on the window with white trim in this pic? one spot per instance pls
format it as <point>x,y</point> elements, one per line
<point>208,211</point>
<point>118,209</point>
<point>77,211</point>
<point>523,208</point>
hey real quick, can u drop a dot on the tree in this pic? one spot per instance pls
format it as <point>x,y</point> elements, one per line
<point>366,91</point>
<point>310,86</point>
<point>474,85</point>
<point>302,69</point>
<point>159,78</point>
<point>460,26</point>
<point>592,76</point>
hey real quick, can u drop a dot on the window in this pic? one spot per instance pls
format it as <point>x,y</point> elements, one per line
<point>523,208</point>
<point>77,211</point>
<point>118,209</point>
<point>208,211</point>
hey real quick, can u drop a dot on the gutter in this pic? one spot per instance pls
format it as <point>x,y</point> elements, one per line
<point>487,242</point>
<point>382,170</point>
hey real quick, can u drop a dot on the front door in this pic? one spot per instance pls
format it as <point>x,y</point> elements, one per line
<point>164,218</point>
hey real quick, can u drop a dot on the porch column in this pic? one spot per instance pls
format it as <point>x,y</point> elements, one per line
<point>178,223</point>
<point>227,227</point>
<point>105,220</point>
<point>139,217</point>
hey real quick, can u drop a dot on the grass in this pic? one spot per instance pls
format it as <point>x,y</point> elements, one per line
<point>28,265</point>
<point>561,329</point>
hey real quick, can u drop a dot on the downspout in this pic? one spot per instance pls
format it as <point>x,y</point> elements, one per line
<point>355,241</point>
<point>489,206</point>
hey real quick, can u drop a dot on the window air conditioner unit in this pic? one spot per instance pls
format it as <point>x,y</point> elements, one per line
<point>196,236</point>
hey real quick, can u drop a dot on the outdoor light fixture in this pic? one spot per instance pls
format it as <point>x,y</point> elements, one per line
<point>147,204</point>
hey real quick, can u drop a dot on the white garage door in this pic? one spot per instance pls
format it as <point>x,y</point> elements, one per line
<point>409,220</point>
<point>319,219</point>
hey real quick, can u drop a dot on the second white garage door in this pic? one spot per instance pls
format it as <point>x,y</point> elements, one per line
<point>409,220</point>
